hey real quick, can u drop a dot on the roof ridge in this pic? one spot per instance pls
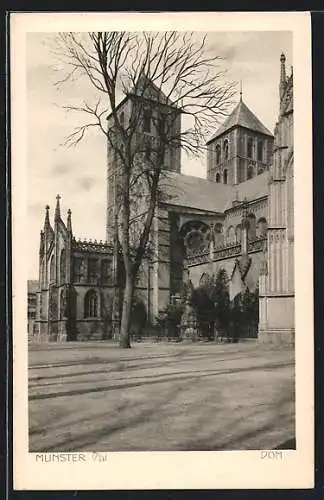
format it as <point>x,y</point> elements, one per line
<point>241,116</point>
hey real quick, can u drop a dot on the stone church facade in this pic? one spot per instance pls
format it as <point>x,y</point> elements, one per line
<point>239,219</point>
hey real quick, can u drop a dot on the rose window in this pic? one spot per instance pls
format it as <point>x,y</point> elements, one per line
<point>196,237</point>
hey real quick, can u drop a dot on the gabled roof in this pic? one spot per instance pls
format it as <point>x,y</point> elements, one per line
<point>195,192</point>
<point>147,90</point>
<point>241,116</point>
<point>150,91</point>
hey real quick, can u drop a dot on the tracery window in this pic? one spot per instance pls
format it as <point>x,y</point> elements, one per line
<point>225,176</point>
<point>62,304</point>
<point>196,237</point>
<point>231,235</point>
<point>238,233</point>
<point>261,228</point>
<point>225,147</point>
<point>218,154</point>
<point>106,271</point>
<point>147,120</point>
<point>52,268</point>
<point>62,266</point>
<point>161,125</point>
<point>219,235</point>
<point>204,279</point>
<point>92,270</point>
<point>260,150</point>
<point>78,269</point>
<point>91,304</point>
<point>250,147</point>
<point>252,227</point>
<point>122,119</point>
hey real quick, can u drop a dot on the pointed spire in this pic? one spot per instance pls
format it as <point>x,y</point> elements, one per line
<point>241,91</point>
<point>69,222</point>
<point>47,221</point>
<point>57,209</point>
<point>283,67</point>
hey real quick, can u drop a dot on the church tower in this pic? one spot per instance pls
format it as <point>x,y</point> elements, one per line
<point>142,113</point>
<point>240,149</point>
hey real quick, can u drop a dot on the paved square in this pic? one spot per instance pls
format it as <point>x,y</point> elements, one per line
<point>97,397</point>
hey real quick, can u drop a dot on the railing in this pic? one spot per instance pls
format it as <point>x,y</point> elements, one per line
<point>258,244</point>
<point>92,246</point>
<point>226,251</point>
<point>198,258</point>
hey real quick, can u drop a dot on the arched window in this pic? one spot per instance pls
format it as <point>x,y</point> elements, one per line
<point>250,147</point>
<point>217,178</point>
<point>260,150</point>
<point>238,233</point>
<point>231,235</point>
<point>147,120</point>
<point>219,235</point>
<point>91,304</point>
<point>161,125</point>
<point>62,304</point>
<point>218,154</point>
<point>261,227</point>
<point>250,172</point>
<point>252,227</point>
<point>204,279</point>
<point>62,266</point>
<point>225,176</point>
<point>225,147</point>
<point>195,236</point>
<point>122,119</point>
<point>52,269</point>
<point>93,270</point>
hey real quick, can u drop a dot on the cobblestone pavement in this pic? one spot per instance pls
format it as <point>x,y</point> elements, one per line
<point>97,397</point>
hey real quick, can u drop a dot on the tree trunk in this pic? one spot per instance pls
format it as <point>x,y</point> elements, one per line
<point>124,339</point>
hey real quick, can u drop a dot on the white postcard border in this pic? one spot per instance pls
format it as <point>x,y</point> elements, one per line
<point>169,470</point>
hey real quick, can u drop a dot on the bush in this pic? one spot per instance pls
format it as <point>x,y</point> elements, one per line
<point>244,314</point>
<point>222,301</point>
<point>211,303</point>
<point>170,319</point>
<point>204,305</point>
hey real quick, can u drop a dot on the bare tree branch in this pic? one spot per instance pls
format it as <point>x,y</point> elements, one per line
<point>163,75</point>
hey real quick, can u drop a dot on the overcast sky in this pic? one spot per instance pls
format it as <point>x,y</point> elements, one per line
<point>79,174</point>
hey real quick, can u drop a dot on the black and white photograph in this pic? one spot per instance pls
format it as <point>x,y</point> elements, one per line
<point>160,253</point>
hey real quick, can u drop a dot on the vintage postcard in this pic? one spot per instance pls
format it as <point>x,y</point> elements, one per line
<point>162,250</point>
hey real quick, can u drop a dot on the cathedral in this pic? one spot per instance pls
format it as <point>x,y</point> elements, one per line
<point>240,218</point>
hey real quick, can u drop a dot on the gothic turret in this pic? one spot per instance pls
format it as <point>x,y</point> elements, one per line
<point>282,84</point>
<point>48,230</point>
<point>69,222</point>
<point>47,224</point>
<point>57,215</point>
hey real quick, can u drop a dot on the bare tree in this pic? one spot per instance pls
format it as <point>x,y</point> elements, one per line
<point>162,75</point>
